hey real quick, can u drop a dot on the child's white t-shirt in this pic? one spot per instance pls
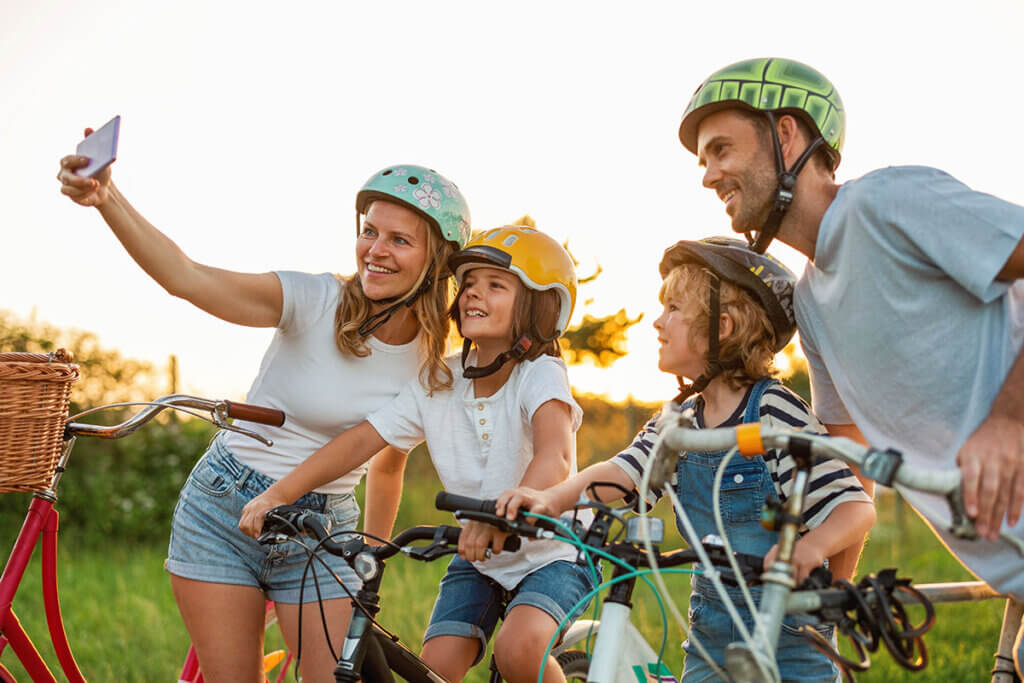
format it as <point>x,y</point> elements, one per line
<point>322,391</point>
<point>483,446</point>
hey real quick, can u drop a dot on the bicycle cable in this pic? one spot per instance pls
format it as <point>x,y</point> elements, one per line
<point>574,540</point>
<point>709,568</point>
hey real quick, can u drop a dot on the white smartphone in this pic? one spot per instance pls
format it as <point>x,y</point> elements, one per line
<point>100,147</point>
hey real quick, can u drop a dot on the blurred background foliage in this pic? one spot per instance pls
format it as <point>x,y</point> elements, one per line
<point>126,489</point>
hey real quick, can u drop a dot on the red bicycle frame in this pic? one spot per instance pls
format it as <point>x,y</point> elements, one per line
<point>40,522</point>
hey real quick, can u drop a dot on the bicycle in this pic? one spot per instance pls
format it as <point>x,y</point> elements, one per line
<point>880,599</point>
<point>370,652</point>
<point>876,603</point>
<point>36,440</point>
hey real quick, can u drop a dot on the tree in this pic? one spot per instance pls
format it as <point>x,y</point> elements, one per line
<point>600,339</point>
<point>106,376</point>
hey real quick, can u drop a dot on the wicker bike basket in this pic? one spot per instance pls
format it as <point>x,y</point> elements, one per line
<point>35,390</point>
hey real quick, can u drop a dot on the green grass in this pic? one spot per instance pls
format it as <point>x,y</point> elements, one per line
<point>123,624</point>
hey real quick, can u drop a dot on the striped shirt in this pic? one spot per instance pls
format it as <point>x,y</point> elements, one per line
<point>831,481</point>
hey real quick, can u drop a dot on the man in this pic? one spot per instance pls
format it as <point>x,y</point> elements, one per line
<point>911,307</point>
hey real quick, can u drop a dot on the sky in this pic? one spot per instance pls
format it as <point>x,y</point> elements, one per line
<point>248,127</point>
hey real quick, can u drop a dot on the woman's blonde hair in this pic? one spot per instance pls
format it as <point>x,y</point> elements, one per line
<point>429,309</point>
<point>749,347</point>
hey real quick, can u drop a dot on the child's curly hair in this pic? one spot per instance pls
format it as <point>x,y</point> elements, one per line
<point>750,346</point>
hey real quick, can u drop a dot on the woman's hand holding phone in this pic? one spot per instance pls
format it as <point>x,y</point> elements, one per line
<point>86,190</point>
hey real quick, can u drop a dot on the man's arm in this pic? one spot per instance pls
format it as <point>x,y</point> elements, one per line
<point>843,564</point>
<point>992,459</point>
<point>1014,268</point>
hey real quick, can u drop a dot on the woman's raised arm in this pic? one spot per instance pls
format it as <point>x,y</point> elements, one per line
<point>253,299</point>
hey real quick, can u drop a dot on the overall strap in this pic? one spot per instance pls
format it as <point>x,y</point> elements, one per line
<point>753,412</point>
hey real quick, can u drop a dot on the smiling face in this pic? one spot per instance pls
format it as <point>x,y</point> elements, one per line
<point>680,352</point>
<point>391,250</point>
<point>738,166</point>
<point>487,305</point>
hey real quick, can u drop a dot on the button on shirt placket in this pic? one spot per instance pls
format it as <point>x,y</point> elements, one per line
<point>482,419</point>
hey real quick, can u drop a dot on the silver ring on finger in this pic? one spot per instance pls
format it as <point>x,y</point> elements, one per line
<point>488,553</point>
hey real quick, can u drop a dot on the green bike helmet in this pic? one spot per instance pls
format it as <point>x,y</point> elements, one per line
<point>773,86</point>
<point>423,190</point>
<point>770,85</point>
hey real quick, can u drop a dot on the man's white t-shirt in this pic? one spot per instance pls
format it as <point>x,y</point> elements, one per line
<point>907,331</point>
<point>322,392</point>
<point>483,446</point>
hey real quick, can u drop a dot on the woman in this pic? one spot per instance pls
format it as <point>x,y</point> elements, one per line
<point>343,348</point>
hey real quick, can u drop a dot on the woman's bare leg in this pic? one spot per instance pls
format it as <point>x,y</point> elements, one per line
<point>225,623</point>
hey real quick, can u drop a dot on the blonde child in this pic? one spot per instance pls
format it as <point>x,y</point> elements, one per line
<point>727,311</point>
<point>508,420</point>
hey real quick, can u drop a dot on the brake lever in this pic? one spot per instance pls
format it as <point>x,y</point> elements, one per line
<point>220,418</point>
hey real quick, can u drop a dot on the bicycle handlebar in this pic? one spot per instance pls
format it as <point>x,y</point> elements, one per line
<point>885,467</point>
<point>287,519</point>
<point>219,412</point>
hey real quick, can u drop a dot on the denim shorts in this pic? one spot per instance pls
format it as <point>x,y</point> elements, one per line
<point>206,544</point>
<point>470,604</point>
<point>798,660</point>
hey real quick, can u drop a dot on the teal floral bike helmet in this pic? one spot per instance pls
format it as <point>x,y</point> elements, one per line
<point>773,86</point>
<point>425,191</point>
<point>430,195</point>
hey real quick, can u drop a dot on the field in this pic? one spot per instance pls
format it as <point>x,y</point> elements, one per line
<point>123,624</point>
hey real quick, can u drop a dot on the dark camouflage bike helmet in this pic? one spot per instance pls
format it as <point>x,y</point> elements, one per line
<point>773,86</point>
<point>763,277</point>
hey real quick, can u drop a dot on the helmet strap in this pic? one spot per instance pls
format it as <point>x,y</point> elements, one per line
<point>784,192</point>
<point>713,367</point>
<point>518,350</point>
<point>381,317</point>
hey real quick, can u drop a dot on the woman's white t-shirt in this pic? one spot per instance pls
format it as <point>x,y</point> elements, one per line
<point>321,391</point>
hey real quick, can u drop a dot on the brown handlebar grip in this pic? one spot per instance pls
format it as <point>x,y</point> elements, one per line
<point>244,411</point>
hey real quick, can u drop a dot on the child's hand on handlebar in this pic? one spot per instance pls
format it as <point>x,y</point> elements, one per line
<point>255,511</point>
<point>511,501</point>
<point>479,541</point>
<point>807,556</point>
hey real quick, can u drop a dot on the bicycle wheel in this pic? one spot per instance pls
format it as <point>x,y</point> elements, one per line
<point>575,664</point>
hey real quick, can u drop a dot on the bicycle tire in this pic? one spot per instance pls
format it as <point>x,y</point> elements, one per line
<point>575,664</point>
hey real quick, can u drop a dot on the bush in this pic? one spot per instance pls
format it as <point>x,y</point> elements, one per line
<point>123,489</point>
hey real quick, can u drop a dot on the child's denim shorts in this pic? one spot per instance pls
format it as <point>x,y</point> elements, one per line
<point>206,544</point>
<point>470,604</point>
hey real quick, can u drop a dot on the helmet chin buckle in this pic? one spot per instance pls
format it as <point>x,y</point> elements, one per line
<point>518,351</point>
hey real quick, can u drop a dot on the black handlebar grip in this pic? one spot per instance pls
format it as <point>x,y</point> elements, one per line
<point>250,413</point>
<point>451,535</point>
<point>452,502</point>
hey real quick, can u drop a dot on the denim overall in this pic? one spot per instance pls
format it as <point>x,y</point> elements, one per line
<point>745,484</point>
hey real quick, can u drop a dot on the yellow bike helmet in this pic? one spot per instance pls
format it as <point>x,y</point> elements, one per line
<point>540,262</point>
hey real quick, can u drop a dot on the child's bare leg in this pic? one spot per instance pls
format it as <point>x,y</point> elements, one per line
<point>520,645</point>
<point>451,656</point>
